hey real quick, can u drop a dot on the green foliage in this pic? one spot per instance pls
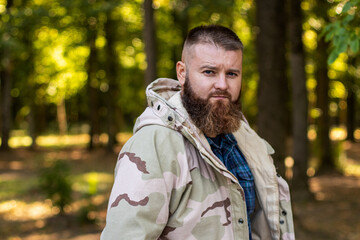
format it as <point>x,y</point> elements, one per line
<point>344,32</point>
<point>48,42</point>
<point>55,182</point>
<point>86,214</point>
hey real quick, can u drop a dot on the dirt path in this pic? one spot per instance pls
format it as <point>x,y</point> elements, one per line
<point>335,213</point>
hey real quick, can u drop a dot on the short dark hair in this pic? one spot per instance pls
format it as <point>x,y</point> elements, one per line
<point>214,34</point>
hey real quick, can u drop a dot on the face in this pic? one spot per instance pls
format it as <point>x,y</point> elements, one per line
<point>220,117</point>
<point>214,73</point>
<point>211,88</point>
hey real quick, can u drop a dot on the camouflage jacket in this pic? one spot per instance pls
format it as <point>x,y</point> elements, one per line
<point>169,185</point>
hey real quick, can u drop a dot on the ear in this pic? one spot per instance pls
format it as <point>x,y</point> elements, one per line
<point>181,72</point>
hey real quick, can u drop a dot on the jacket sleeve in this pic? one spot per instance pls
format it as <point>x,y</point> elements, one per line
<point>286,216</point>
<point>146,172</point>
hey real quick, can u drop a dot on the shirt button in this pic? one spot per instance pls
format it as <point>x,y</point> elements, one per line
<point>241,221</point>
<point>284,213</point>
<point>282,221</point>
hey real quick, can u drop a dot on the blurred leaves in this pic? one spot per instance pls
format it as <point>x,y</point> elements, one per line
<point>344,31</point>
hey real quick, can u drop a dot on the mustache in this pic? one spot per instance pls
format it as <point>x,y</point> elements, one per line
<point>220,93</point>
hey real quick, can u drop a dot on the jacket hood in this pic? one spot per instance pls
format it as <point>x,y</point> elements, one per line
<point>164,105</point>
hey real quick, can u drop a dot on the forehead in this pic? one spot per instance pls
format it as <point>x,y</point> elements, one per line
<point>212,54</point>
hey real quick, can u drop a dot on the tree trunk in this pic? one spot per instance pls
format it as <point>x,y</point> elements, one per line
<point>111,76</point>
<point>351,103</point>
<point>32,125</point>
<point>150,42</point>
<point>61,117</point>
<point>30,92</point>
<point>351,113</point>
<point>6,106</point>
<point>272,88</point>
<point>6,84</point>
<point>92,91</point>
<point>322,89</point>
<point>300,101</point>
<point>181,19</point>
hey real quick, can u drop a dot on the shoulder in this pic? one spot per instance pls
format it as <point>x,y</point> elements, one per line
<point>156,136</point>
<point>156,146</point>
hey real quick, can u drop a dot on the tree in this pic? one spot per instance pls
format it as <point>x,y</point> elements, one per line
<point>272,87</point>
<point>351,99</point>
<point>344,33</point>
<point>299,99</point>
<point>111,76</point>
<point>6,83</point>
<point>344,36</point>
<point>92,91</point>
<point>150,42</point>
<point>322,90</point>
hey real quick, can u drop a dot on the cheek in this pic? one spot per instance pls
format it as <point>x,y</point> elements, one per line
<point>202,91</point>
<point>202,87</point>
<point>235,91</point>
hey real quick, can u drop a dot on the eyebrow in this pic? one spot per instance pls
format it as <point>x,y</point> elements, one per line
<point>215,68</point>
<point>234,70</point>
<point>208,67</point>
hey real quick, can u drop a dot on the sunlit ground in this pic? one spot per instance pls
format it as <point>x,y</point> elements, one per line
<point>337,134</point>
<point>26,213</point>
<point>25,210</point>
<point>23,140</point>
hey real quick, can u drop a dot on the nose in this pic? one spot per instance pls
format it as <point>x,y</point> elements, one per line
<point>221,82</point>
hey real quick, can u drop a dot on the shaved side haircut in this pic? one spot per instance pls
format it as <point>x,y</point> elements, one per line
<point>214,34</point>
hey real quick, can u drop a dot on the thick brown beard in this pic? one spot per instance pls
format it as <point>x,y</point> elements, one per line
<point>212,118</point>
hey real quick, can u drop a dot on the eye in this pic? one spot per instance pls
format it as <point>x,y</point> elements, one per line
<point>232,74</point>
<point>208,72</point>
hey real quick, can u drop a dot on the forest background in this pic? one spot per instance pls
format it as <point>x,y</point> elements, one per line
<point>73,75</point>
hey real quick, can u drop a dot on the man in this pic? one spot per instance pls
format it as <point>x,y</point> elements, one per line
<point>194,168</point>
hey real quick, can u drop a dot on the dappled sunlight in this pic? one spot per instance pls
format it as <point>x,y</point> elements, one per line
<point>310,172</point>
<point>123,137</point>
<point>289,164</point>
<point>16,210</point>
<point>74,65</point>
<point>338,133</point>
<point>56,140</point>
<point>357,134</point>
<point>16,165</point>
<point>312,133</point>
<point>23,140</point>
<point>92,182</point>
<point>352,169</point>
<point>348,160</point>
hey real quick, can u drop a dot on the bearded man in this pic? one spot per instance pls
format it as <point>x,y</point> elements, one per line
<point>194,169</point>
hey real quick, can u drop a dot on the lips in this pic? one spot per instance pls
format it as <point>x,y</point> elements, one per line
<point>219,96</point>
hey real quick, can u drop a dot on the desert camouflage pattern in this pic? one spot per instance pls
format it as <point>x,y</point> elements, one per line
<point>169,185</point>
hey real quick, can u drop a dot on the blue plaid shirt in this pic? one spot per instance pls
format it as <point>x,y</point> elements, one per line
<point>226,149</point>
